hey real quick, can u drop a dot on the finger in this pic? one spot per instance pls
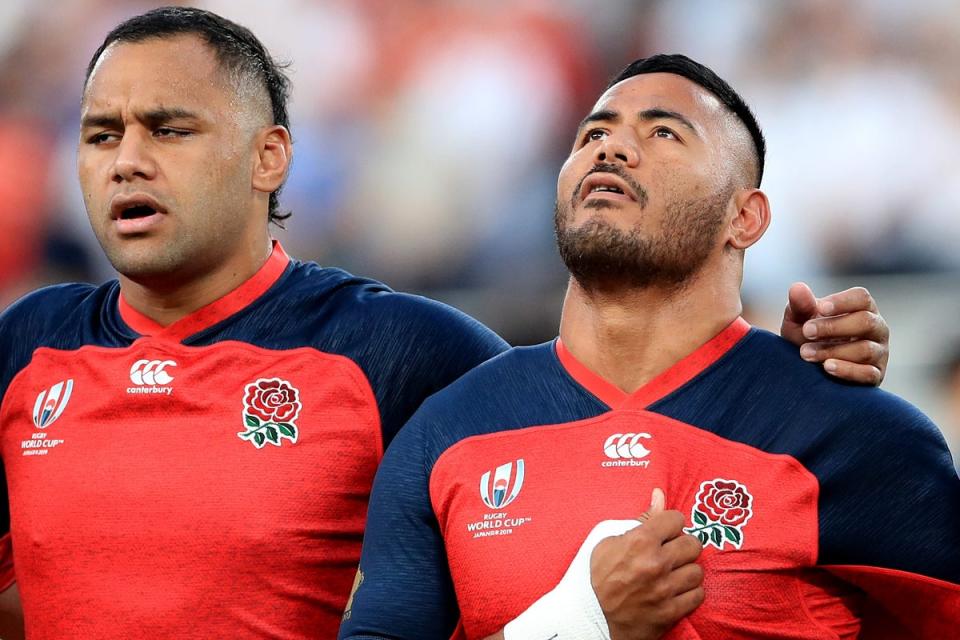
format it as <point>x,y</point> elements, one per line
<point>660,526</point>
<point>657,504</point>
<point>685,578</point>
<point>684,604</point>
<point>860,373</point>
<point>858,352</point>
<point>860,325</point>
<point>855,299</point>
<point>801,303</point>
<point>682,550</point>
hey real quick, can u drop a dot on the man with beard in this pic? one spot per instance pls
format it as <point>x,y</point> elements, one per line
<point>504,507</point>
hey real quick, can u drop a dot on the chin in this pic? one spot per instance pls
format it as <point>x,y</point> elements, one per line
<point>144,265</point>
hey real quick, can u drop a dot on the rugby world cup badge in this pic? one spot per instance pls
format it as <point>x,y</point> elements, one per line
<point>271,407</point>
<point>720,513</point>
<point>50,403</point>
<point>500,487</point>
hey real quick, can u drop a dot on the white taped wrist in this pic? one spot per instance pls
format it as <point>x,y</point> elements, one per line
<point>571,610</point>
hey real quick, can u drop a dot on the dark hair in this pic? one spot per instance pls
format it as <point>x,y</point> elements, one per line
<point>237,50</point>
<point>695,72</point>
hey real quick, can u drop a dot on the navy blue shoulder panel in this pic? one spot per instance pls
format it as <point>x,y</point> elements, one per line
<point>66,316</point>
<point>524,387</point>
<point>889,494</point>
<point>407,346</point>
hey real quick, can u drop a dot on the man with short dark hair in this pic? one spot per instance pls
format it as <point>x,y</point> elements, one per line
<point>505,508</point>
<point>189,450</point>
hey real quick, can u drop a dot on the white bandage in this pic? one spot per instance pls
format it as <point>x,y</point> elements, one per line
<point>571,610</point>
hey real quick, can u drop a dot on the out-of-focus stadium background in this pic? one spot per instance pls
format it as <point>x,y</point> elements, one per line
<point>428,136</point>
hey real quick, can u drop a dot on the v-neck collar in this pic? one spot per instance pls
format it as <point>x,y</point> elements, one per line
<point>214,312</point>
<point>663,384</point>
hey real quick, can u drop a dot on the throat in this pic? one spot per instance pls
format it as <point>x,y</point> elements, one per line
<point>630,340</point>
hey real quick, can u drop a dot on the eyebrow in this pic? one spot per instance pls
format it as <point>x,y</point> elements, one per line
<point>658,113</point>
<point>655,113</point>
<point>153,117</point>
<point>604,115</point>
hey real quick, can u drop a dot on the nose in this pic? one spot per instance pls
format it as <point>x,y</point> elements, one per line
<point>133,160</point>
<point>617,148</point>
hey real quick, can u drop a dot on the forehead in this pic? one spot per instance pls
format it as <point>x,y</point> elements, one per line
<point>662,90</point>
<point>180,70</point>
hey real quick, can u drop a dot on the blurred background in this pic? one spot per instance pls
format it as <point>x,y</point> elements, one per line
<point>428,136</point>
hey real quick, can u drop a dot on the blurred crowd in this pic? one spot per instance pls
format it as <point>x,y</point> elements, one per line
<point>428,135</point>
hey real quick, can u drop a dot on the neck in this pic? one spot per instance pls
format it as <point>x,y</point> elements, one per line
<point>173,297</point>
<point>629,336</point>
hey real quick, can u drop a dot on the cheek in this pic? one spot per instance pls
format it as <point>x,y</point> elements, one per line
<point>567,178</point>
<point>87,178</point>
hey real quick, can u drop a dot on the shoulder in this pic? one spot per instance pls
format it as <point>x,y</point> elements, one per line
<point>763,394</point>
<point>53,316</point>
<point>883,468</point>
<point>846,413</point>
<point>508,374</point>
<point>363,304</point>
<point>48,302</point>
<point>522,387</point>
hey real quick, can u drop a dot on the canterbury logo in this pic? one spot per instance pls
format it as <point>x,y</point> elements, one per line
<point>151,372</point>
<point>505,486</point>
<point>626,446</point>
<point>51,403</point>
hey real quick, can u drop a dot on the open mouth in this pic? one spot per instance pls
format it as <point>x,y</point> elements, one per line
<point>600,188</point>
<point>134,207</point>
<point>605,185</point>
<point>137,211</point>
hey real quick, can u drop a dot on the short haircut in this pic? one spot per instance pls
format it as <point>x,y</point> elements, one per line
<point>237,50</point>
<point>701,75</point>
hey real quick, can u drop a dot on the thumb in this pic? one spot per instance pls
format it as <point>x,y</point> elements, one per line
<point>801,303</point>
<point>658,503</point>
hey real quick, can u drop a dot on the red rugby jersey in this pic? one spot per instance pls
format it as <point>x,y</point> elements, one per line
<point>209,478</point>
<point>824,509</point>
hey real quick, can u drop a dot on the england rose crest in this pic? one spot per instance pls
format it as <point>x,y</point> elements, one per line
<point>720,512</point>
<point>271,407</point>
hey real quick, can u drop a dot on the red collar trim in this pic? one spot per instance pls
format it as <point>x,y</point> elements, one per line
<point>609,393</point>
<point>662,385</point>
<point>217,310</point>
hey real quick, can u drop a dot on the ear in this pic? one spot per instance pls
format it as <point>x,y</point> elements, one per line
<point>274,152</point>
<point>751,219</point>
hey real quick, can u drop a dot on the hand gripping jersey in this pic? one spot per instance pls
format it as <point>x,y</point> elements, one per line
<point>208,479</point>
<point>824,509</point>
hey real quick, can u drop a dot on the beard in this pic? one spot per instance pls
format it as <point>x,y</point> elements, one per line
<point>603,257</point>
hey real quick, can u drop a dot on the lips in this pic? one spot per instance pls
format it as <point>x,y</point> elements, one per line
<point>134,206</point>
<point>606,185</point>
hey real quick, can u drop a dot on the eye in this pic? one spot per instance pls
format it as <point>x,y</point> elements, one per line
<point>101,138</point>
<point>592,135</point>
<point>167,132</point>
<point>664,132</point>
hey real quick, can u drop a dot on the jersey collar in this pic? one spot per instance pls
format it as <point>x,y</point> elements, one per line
<point>662,385</point>
<point>214,312</point>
